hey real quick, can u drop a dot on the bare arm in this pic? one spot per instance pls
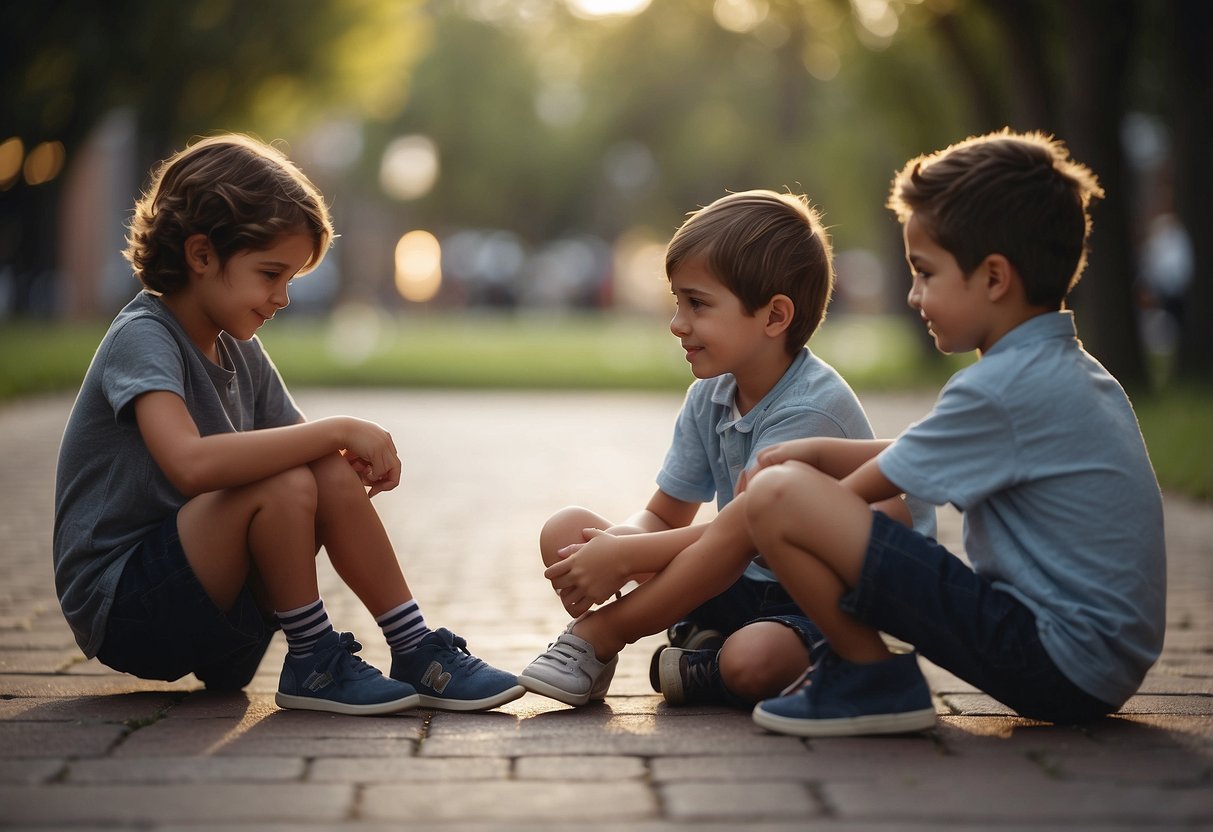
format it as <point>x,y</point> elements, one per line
<point>197,464</point>
<point>851,461</point>
<point>662,512</point>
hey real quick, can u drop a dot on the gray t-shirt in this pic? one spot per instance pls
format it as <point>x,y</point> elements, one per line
<point>711,446</point>
<point>109,492</point>
<point>1039,447</point>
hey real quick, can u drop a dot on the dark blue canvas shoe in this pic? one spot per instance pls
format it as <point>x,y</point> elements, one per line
<point>450,678</point>
<point>840,698</point>
<point>333,679</point>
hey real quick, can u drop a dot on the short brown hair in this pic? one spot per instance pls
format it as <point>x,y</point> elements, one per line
<point>238,191</point>
<point>760,244</point>
<point>1015,194</point>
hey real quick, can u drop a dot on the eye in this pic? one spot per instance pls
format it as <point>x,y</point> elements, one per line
<point>695,303</point>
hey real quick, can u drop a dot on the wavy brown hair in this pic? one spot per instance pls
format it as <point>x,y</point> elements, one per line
<point>240,192</point>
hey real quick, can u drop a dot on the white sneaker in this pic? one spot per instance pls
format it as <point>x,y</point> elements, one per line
<point>569,672</point>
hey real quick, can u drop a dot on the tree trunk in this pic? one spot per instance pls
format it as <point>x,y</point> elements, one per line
<point>1192,118</point>
<point>1100,39</point>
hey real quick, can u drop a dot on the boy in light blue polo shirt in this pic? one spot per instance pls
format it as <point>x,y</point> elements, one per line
<point>1062,611</point>
<point>752,275</point>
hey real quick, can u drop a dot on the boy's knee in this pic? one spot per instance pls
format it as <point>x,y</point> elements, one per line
<point>764,494</point>
<point>760,663</point>
<point>294,486</point>
<point>564,527</point>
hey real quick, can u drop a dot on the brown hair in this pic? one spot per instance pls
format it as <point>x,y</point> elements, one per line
<point>760,244</point>
<point>1015,194</point>
<point>240,192</point>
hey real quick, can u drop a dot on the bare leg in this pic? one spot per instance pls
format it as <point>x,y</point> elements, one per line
<point>266,527</point>
<point>761,659</point>
<point>700,571</point>
<point>351,531</point>
<point>814,534</point>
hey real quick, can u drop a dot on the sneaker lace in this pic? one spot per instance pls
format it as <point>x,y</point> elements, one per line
<point>699,671</point>
<point>343,663</point>
<point>457,645</point>
<point>564,653</point>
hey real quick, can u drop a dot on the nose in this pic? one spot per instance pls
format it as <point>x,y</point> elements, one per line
<point>678,324</point>
<point>281,298</point>
<point>914,298</point>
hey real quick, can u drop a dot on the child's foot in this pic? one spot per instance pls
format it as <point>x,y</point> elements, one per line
<point>685,635</point>
<point>450,678</point>
<point>333,679</point>
<point>692,677</point>
<point>569,672</point>
<point>841,698</point>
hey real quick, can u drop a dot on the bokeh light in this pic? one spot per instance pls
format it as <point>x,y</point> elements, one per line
<point>418,266</point>
<point>12,152</point>
<point>410,167</point>
<point>44,162</point>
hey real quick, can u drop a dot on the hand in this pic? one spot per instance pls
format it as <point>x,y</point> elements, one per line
<point>372,454</point>
<point>590,573</point>
<point>800,450</point>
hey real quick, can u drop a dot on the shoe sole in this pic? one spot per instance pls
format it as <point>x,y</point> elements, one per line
<point>442,704</point>
<point>670,676</point>
<point>552,692</point>
<point>311,703</point>
<point>904,723</point>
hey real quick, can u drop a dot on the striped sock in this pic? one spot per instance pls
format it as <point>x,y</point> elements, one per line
<point>303,627</point>
<point>403,627</point>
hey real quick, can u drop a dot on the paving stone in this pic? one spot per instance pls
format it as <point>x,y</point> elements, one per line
<point>740,802</point>
<point>29,772</point>
<point>408,769</point>
<point>580,768</point>
<point>100,806</point>
<point>988,797</point>
<point>58,739</point>
<point>138,707</point>
<point>567,803</point>
<point>183,770</point>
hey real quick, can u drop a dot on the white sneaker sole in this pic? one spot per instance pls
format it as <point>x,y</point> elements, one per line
<point>441,704</point>
<point>903,723</point>
<point>311,703</point>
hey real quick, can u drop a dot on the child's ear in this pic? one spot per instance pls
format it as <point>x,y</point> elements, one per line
<point>999,276</point>
<point>780,310</point>
<point>199,253</point>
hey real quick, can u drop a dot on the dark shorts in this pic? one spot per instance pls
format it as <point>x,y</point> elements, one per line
<point>163,625</point>
<point>916,590</point>
<point>748,601</point>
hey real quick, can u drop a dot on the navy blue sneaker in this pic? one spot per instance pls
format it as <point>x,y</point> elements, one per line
<point>685,635</point>
<point>333,679</point>
<point>450,678</point>
<point>841,698</point>
<point>692,677</point>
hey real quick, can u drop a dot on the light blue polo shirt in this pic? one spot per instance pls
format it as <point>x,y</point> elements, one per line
<point>1039,447</point>
<point>711,447</point>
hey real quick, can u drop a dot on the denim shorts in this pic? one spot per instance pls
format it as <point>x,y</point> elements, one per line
<point>916,590</point>
<point>748,601</point>
<point>163,625</point>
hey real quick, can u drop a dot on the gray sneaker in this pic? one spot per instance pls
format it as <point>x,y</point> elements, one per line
<point>569,672</point>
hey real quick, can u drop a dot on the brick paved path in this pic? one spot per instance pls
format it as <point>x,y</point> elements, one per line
<point>85,747</point>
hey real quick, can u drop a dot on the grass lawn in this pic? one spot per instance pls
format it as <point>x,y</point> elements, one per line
<point>552,351</point>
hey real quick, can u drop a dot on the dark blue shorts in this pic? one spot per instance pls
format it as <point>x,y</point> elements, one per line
<point>748,601</point>
<point>163,625</point>
<point>916,590</point>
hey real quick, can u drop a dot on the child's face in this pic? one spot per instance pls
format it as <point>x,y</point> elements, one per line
<point>253,285</point>
<point>953,305</point>
<point>714,328</point>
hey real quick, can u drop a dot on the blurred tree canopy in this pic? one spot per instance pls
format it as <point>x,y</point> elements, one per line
<point>548,121</point>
